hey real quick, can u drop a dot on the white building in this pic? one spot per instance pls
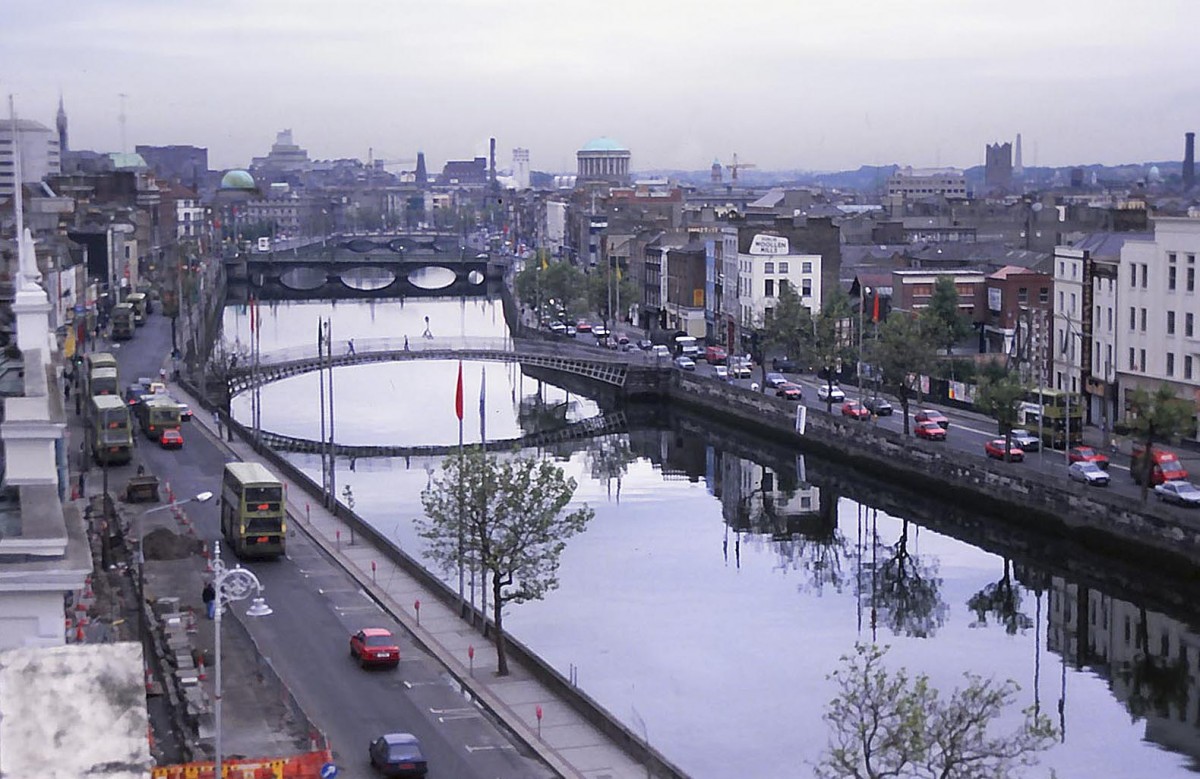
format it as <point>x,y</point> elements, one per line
<point>765,268</point>
<point>1158,335</point>
<point>554,232</point>
<point>927,182</point>
<point>1068,326</point>
<point>520,168</point>
<point>39,153</point>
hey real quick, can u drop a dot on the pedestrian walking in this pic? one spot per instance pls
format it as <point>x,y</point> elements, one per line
<point>406,343</point>
<point>209,596</point>
<point>350,345</point>
<point>82,484</point>
<point>67,391</point>
<point>428,333</point>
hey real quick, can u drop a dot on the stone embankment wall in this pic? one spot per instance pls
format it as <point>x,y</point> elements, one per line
<point>1017,493</point>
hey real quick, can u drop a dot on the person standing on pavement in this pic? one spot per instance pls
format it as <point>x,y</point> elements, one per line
<point>209,596</point>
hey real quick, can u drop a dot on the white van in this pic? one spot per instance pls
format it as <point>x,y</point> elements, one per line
<point>687,346</point>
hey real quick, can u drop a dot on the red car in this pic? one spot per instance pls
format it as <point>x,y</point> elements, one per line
<point>929,415</point>
<point>171,438</point>
<point>583,326</point>
<point>855,410</point>
<point>995,448</point>
<point>790,391</point>
<point>930,431</point>
<point>1086,454</point>
<point>375,646</point>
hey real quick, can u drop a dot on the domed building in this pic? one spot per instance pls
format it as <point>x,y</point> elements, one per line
<point>603,159</point>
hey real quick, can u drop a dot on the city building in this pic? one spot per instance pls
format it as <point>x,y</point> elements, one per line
<point>998,167</point>
<point>603,160</point>
<point>912,289</point>
<point>927,182</point>
<point>465,174</point>
<point>1017,318</point>
<point>186,164</point>
<point>285,156</point>
<point>766,263</point>
<point>520,168</point>
<point>38,146</point>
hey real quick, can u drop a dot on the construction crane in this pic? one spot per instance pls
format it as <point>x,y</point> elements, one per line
<point>736,166</point>
<point>372,162</point>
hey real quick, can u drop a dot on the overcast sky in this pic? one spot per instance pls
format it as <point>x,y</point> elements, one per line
<point>797,84</point>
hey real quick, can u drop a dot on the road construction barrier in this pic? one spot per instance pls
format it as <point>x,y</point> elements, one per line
<point>303,766</point>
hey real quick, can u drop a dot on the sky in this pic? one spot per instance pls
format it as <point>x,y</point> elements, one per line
<point>784,84</point>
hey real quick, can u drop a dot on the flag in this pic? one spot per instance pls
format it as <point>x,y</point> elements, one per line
<point>458,394</point>
<point>482,395</point>
<point>545,264</point>
<point>875,313</point>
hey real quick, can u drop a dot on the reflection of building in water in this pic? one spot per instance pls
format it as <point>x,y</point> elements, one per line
<point>756,499</point>
<point>1151,661</point>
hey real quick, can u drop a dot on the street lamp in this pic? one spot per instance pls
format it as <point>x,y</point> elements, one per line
<point>863,291</point>
<point>200,497</point>
<point>230,584</point>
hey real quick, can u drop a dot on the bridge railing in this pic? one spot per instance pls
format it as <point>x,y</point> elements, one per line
<point>465,344</point>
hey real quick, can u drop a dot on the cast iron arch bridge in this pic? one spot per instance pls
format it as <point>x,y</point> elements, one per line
<point>594,427</point>
<point>602,365</point>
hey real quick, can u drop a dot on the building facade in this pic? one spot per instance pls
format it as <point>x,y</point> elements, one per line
<point>928,182</point>
<point>765,268</point>
<point>603,160</point>
<point>38,147</point>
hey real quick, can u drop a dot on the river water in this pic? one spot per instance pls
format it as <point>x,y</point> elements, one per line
<point>713,592</point>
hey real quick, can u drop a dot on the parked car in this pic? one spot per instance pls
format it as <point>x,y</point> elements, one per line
<point>715,355</point>
<point>1088,473</point>
<point>776,380</point>
<point>995,448</point>
<point>658,350</point>
<point>855,410</point>
<point>790,391</point>
<point>1086,454</point>
<point>878,406</point>
<point>784,365</point>
<point>1026,440</point>
<point>721,372</point>
<point>375,646</point>
<point>600,331</point>
<point>645,344</point>
<point>685,363</point>
<point>740,369</point>
<point>558,328</point>
<point>171,438</point>
<point>1182,493</point>
<point>930,415</point>
<point>930,431</point>
<point>398,754</point>
<point>833,393</point>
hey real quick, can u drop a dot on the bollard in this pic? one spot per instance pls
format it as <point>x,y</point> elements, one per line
<point>372,570</point>
<point>538,712</point>
<point>471,658</point>
<point>337,534</point>
<point>417,608</point>
<point>307,512</point>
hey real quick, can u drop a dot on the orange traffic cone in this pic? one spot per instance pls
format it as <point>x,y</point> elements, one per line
<point>79,637</point>
<point>200,674</point>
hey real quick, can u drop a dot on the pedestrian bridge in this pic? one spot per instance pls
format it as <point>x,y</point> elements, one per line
<point>602,365</point>
<point>593,427</point>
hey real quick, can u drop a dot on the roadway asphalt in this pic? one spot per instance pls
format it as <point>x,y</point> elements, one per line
<point>471,723</point>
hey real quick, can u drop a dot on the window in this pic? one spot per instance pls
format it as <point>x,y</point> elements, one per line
<point>1132,364</point>
<point>1071,310</point>
<point>806,267</point>
<point>1143,320</point>
<point>769,289</point>
<point>783,267</point>
<point>1108,318</point>
<point>1170,323</point>
<point>1170,363</point>
<point>806,288</point>
<point>1145,274</point>
<point>1132,275</point>
<point>1189,321</point>
<point>1062,269</point>
<point>1187,366</point>
<point>1044,295</point>
<point>1190,285</point>
<point>1171,278</point>
<point>1142,360</point>
<point>1132,318</point>
<point>1022,295</point>
<point>1060,300</point>
<point>768,267</point>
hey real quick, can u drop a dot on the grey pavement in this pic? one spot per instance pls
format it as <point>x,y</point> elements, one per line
<point>566,741</point>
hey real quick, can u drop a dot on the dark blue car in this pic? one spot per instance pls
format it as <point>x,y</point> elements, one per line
<point>398,754</point>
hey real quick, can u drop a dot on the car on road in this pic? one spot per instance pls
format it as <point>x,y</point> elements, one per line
<point>658,350</point>
<point>570,331</point>
<point>1086,454</point>
<point>685,363</point>
<point>375,646</point>
<point>715,355</point>
<point>583,326</point>
<point>645,344</point>
<point>398,754</point>
<point>776,380</point>
<point>171,438</point>
<point>931,415</point>
<point>784,365</point>
<point>995,448</point>
<point>1180,492</point>
<point>721,372</point>
<point>600,331</point>
<point>1026,440</point>
<point>878,406</point>
<point>185,411</point>
<point>832,393</point>
<point>134,394</point>
<point>930,431</point>
<point>789,391</point>
<point>855,410</point>
<point>739,368</point>
<point>1088,473</point>
<point>558,328</point>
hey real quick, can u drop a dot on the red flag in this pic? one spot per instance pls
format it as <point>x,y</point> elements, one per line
<point>458,394</point>
<point>875,314</point>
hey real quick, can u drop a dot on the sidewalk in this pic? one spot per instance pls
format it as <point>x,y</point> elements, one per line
<point>567,742</point>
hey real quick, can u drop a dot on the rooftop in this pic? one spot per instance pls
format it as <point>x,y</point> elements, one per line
<point>603,144</point>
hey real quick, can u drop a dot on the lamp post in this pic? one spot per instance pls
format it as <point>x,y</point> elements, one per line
<point>230,584</point>
<point>862,305</point>
<point>1070,355</point>
<point>200,497</point>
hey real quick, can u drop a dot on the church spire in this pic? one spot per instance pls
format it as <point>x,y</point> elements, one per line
<point>61,123</point>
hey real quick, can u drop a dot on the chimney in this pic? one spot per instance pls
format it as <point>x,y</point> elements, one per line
<point>1189,161</point>
<point>492,160</point>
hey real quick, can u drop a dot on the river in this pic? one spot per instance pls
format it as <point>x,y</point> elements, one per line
<point>713,593</point>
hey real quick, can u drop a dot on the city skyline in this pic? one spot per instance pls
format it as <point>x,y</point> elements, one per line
<point>787,87</point>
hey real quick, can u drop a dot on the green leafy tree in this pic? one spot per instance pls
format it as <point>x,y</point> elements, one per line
<point>831,341</point>
<point>1003,600</point>
<point>1157,418</point>
<point>885,723</point>
<point>788,329</point>
<point>999,396</point>
<point>609,292</point>
<point>900,354</point>
<point>505,517</point>
<point>946,324</point>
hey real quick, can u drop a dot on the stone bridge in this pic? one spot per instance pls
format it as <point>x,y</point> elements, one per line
<point>601,365</point>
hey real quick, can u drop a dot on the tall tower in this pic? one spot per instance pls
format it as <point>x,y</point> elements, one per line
<point>1189,161</point>
<point>1018,168</point>
<point>421,176</point>
<point>60,122</point>
<point>492,162</point>
<point>716,171</point>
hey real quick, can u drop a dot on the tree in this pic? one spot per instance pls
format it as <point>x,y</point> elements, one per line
<point>901,353</point>
<point>1155,419</point>
<point>608,291</point>
<point>505,518</point>
<point>908,590</point>
<point>788,329</point>
<point>887,724</point>
<point>999,396</point>
<point>944,321</point>
<point>831,342</point>
<point>1004,601</point>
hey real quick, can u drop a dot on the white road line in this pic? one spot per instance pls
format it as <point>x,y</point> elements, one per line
<point>487,747</point>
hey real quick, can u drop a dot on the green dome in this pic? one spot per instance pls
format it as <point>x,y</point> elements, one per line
<point>603,144</point>
<point>238,179</point>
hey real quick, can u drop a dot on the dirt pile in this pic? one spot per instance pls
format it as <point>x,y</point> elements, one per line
<point>165,544</point>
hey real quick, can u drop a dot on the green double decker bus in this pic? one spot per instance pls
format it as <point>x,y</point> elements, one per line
<point>253,510</point>
<point>1055,415</point>
<point>157,413</point>
<point>109,430</point>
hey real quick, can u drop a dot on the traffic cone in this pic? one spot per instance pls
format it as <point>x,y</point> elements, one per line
<point>207,560</point>
<point>200,674</point>
<point>150,687</point>
<point>87,588</point>
<point>79,637</point>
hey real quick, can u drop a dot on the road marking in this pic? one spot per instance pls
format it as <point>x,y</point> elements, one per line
<point>471,748</point>
<point>411,685</point>
<point>458,710</point>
